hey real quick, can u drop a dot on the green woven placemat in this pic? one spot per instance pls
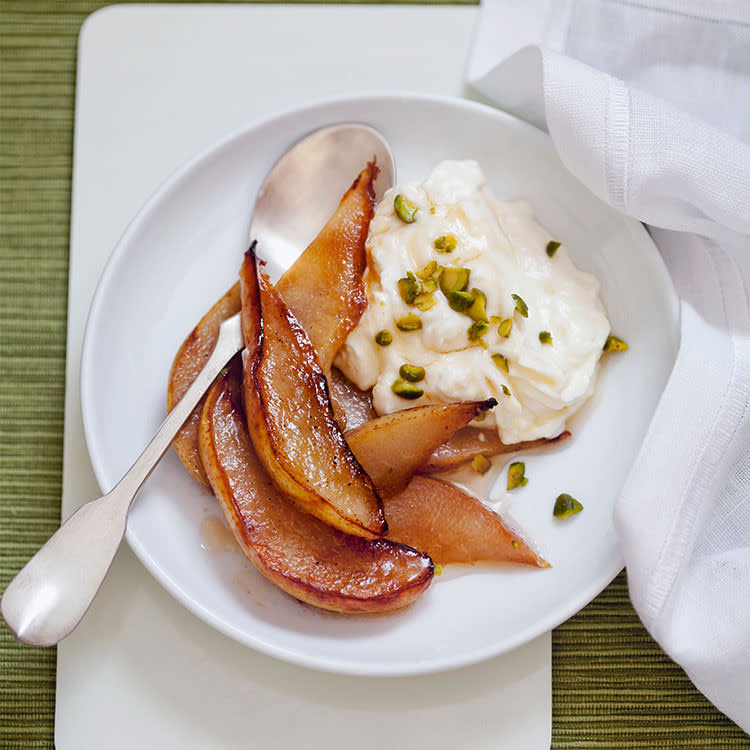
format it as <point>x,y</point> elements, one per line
<point>612,686</point>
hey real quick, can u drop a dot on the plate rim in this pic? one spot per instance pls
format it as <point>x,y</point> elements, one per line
<point>326,663</point>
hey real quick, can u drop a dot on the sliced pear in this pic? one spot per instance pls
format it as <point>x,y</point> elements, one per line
<point>466,443</point>
<point>302,555</point>
<point>290,417</point>
<point>324,287</point>
<point>355,405</point>
<point>453,527</point>
<point>391,448</point>
<point>189,361</point>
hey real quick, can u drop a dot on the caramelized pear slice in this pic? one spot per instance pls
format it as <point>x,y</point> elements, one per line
<point>303,556</point>
<point>290,417</point>
<point>355,405</point>
<point>466,443</point>
<point>391,448</point>
<point>453,527</point>
<point>189,361</point>
<point>324,287</point>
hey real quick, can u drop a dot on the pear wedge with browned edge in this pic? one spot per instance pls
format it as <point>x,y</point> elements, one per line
<point>188,362</point>
<point>468,442</point>
<point>323,288</point>
<point>391,448</point>
<point>302,555</point>
<point>453,527</point>
<point>290,417</point>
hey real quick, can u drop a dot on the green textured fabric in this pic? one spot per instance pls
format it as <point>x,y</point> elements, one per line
<point>612,685</point>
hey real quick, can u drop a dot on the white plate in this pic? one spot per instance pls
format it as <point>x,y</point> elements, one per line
<point>181,253</point>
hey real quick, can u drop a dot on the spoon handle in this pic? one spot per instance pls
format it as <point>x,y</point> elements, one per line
<point>51,593</point>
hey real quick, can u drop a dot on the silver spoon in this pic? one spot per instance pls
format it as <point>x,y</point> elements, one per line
<point>51,593</point>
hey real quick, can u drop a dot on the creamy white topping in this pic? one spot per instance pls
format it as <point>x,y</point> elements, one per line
<point>505,249</point>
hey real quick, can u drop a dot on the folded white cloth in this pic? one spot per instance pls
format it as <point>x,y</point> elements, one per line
<point>597,75</point>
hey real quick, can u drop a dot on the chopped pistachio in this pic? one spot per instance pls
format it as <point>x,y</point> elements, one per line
<point>454,280</point>
<point>481,464</point>
<point>521,306</point>
<point>514,544</point>
<point>428,270</point>
<point>516,476</point>
<point>477,329</point>
<point>429,285</point>
<point>565,506</point>
<point>506,390</point>
<point>446,243</point>
<point>412,373</point>
<point>406,390</point>
<point>505,327</point>
<point>410,322</point>
<point>432,209</point>
<point>424,301</point>
<point>383,338</point>
<point>552,246</point>
<point>501,362</point>
<point>545,337</point>
<point>404,208</point>
<point>477,310</point>
<point>495,319</point>
<point>438,569</point>
<point>481,416</point>
<point>613,344</point>
<point>460,301</point>
<point>408,288</point>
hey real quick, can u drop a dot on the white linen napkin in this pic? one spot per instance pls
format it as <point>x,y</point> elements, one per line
<point>648,104</point>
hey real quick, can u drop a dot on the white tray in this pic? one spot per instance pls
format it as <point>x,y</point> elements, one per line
<point>157,84</point>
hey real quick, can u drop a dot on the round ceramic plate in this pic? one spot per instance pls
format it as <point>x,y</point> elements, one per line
<point>183,251</point>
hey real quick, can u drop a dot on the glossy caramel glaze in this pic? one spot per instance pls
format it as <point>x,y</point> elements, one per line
<point>391,448</point>
<point>305,557</point>
<point>453,527</point>
<point>189,361</point>
<point>290,417</point>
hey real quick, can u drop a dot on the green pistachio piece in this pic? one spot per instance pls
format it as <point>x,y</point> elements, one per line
<point>501,362</point>
<point>446,243</point>
<point>552,246</point>
<point>514,544</point>
<point>454,279</point>
<point>516,476</point>
<point>505,327</point>
<point>429,285</point>
<point>404,208</point>
<point>408,288</point>
<point>424,301</point>
<point>410,322</point>
<point>412,373</point>
<point>545,337</point>
<point>383,338</point>
<point>428,270</point>
<point>406,390</point>
<point>477,310</point>
<point>477,329</point>
<point>481,464</point>
<point>565,506</point>
<point>506,390</point>
<point>438,568</point>
<point>521,306</point>
<point>613,344</point>
<point>460,301</point>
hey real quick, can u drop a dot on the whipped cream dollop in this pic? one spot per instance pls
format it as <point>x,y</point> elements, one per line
<point>505,250</point>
